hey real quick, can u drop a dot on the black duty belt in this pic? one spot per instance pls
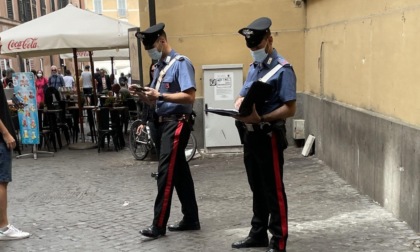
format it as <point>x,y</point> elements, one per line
<point>257,127</point>
<point>169,118</point>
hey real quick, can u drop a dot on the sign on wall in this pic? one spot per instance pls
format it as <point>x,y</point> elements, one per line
<point>223,84</point>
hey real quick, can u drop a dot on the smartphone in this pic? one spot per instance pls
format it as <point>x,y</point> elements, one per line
<point>138,88</point>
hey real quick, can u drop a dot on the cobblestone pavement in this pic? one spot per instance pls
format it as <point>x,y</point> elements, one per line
<point>80,200</point>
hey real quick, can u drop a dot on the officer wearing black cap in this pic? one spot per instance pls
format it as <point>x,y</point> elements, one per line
<point>264,137</point>
<point>172,91</point>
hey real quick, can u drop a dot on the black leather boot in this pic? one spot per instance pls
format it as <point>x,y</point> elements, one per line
<point>153,232</point>
<point>250,242</point>
<point>183,226</point>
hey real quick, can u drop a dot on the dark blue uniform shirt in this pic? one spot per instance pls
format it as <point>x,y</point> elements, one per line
<point>178,78</point>
<point>283,81</point>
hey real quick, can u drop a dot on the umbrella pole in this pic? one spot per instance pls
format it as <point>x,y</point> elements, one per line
<point>79,96</point>
<point>93,79</point>
<point>112,67</point>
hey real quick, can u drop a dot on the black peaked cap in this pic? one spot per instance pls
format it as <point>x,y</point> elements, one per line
<point>254,32</point>
<point>151,34</point>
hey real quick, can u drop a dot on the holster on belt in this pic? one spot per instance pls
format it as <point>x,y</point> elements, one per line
<point>169,118</point>
<point>279,127</point>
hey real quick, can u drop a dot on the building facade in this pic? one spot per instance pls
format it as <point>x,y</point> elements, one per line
<point>355,63</point>
<point>125,10</point>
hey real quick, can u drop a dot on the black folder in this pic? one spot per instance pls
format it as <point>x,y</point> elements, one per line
<point>258,93</point>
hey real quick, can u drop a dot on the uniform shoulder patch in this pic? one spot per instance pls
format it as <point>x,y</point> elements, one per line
<point>181,57</point>
<point>283,61</point>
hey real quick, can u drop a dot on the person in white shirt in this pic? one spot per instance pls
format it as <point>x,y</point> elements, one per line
<point>128,79</point>
<point>68,79</point>
<point>86,80</point>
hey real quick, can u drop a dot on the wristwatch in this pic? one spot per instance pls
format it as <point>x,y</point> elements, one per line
<point>160,98</point>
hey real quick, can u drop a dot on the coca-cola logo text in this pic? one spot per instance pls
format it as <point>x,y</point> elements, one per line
<point>83,54</point>
<point>28,43</point>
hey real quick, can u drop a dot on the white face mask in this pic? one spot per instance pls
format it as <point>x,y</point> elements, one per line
<point>39,75</point>
<point>259,55</point>
<point>154,53</point>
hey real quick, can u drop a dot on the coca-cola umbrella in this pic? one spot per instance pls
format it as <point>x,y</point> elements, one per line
<point>67,30</point>
<point>62,31</point>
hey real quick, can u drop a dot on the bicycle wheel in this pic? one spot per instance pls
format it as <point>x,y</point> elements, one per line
<point>191,148</point>
<point>138,143</point>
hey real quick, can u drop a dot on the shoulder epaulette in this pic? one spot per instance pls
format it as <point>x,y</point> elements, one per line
<point>283,62</point>
<point>180,57</point>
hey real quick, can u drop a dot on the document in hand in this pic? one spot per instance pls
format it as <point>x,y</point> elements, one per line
<point>258,93</point>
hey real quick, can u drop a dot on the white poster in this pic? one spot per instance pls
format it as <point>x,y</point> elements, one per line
<point>223,86</point>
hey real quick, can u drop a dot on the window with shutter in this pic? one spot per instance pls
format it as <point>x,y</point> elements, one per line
<point>62,3</point>
<point>31,64</point>
<point>10,9</point>
<point>98,6</point>
<point>122,8</point>
<point>52,3</point>
<point>43,8</point>
<point>34,14</point>
<point>27,10</point>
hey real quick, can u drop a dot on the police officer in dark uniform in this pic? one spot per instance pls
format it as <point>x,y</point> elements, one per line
<point>264,137</point>
<point>172,91</point>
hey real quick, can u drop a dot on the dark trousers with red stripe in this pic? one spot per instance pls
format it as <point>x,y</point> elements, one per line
<point>263,158</point>
<point>173,171</point>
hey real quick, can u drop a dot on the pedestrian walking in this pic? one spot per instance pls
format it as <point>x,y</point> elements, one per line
<point>86,80</point>
<point>264,138</point>
<point>172,91</point>
<point>55,80</point>
<point>7,144</point>
<point>41,84</point>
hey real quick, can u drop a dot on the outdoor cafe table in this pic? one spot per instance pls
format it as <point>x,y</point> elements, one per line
<point>74,110</point>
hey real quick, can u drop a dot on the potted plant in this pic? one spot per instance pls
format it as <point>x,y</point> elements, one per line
<point>109,101</point>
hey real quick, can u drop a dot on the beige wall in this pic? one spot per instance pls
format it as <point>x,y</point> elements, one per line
<point>109,9</point>
<point>364,53</point>
<point>206,31</point>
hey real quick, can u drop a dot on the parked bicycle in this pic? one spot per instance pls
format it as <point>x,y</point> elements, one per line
<point>142,144</point>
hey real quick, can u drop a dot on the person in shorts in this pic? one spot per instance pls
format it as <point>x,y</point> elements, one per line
<point>7,144</point>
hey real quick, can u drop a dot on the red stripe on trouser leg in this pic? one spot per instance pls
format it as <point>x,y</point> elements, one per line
<point>279,191</point>
<point>169,179</point>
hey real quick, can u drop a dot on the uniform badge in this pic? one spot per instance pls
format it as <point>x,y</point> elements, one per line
<point>247,33</point>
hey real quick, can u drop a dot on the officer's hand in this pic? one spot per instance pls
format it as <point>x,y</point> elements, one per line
<point>140,129</point>
<point>152,94</point>
<point>238,102</point>
<point>145,98</point>
<point>252,118</point>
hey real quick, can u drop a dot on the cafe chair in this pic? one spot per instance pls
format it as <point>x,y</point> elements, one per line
<point>45,133</point>
<point>117,121</point>
<point>52,95</point>
<point>63,123</point>
<point>105,129</point>
<point>132,114</point>
<point>92,128</point>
